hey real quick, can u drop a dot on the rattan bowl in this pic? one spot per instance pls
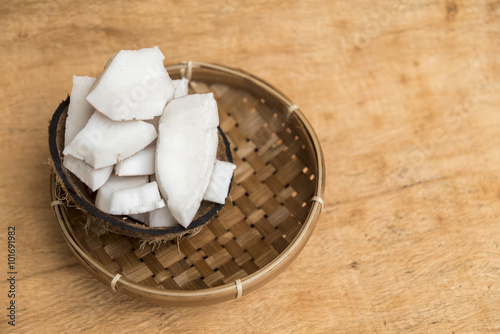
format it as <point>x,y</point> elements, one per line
<point>275,202</point>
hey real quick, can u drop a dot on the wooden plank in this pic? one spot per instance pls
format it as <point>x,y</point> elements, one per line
<point>404,98</point>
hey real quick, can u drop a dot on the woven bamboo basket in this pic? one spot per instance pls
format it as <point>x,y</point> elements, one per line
<point>275,202</point>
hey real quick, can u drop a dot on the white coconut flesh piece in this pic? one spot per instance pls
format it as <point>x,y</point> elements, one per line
<point>185,153</point>
<point>161,218</point>
<point>128,195</point>
<point>134,85</point>
<point>218,187</point>
<point>136,200</point>
<point>79,112</point>
<point>103,142</point>
<point>181,87</point>
<point>114,184</point>
<point>141,163</point>
<point>93,178</point>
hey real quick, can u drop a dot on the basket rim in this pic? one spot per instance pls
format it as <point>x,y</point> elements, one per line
<point>250,282</point>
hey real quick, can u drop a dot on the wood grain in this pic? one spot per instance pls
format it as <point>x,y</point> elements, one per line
<point>404,97</point>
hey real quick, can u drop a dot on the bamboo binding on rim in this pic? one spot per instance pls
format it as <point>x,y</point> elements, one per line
<point>276,199</point>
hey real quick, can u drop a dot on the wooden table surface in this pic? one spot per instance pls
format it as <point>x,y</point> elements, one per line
<point>403,95</point>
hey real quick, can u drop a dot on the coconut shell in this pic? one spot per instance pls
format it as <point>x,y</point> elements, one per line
<point>81,196</point>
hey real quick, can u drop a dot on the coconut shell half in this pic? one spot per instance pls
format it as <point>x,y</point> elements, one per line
<point>81,196</point>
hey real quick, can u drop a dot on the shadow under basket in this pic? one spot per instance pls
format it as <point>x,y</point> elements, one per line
<point>274,203</point>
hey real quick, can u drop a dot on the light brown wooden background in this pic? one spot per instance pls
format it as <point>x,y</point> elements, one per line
<point>404,96</point>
